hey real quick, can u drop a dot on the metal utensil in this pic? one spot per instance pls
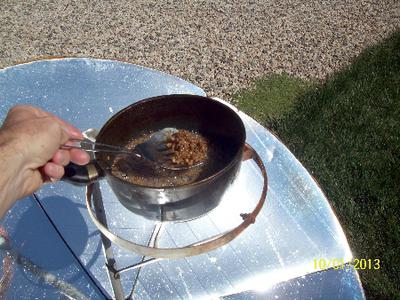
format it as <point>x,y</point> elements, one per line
<point>153,149</point>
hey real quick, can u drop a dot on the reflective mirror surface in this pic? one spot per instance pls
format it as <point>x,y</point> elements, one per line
<point>296,226</point>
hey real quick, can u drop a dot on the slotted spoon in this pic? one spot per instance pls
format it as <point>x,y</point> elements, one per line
<point>153,150</point>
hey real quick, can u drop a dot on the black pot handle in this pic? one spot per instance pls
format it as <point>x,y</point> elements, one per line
<point>82,175</point>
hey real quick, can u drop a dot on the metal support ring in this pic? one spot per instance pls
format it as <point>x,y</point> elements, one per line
<point>192,249</point>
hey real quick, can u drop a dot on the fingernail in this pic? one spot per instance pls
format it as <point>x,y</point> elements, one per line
<point>75,131</point>
<point>65,161</point>
<point>52,179</point>
<point>71,131</point>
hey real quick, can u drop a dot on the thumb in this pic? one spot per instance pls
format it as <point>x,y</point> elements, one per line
<point>70,130</point>
<point>65,134</point>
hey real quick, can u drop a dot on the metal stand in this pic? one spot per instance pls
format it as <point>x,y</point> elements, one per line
<point>108,253</point>
<point>113,272</point>
<point>155,254</point>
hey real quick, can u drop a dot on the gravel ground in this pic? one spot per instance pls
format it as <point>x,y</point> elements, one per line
<point>219,45</point>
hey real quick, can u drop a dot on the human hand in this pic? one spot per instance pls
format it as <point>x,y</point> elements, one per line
<point>30,141</point>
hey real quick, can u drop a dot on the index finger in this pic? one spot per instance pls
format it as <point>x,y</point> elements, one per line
<point>71,130</point>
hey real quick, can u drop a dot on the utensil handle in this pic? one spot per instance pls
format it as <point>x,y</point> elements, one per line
<point>90,146</point>
<point>67,147</point>
<point>83,175</point>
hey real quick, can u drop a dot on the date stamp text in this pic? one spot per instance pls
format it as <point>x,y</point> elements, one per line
<point>339,263</point>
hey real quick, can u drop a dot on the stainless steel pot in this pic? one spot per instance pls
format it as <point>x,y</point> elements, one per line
<point>204,115</point>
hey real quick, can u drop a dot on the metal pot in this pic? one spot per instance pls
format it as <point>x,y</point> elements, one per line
<point>204,115</point>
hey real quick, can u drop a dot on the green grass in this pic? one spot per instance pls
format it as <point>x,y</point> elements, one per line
<point>280,90</point>
<point>346,131</point>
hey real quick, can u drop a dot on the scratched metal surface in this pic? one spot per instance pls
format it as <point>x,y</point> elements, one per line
<point>41,255</point>
<point>295,226</point>
<point>330,284</point>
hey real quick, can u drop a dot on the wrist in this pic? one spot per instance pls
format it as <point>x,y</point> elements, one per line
<point>11,164</point>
